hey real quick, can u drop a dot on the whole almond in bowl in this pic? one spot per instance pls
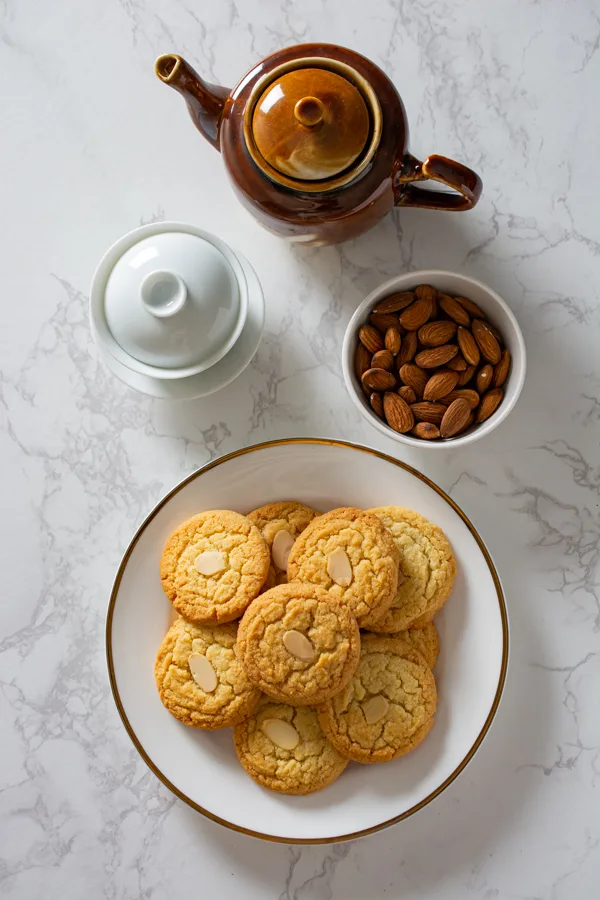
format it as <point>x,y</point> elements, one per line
<point>440,384</point>
<point>398,413</point>
<point>455,418</point>
<point>426,411</point>
<point>434,334</point>
<point>378,380</point>
<point>370,338</point>
<point>434,357</point>
<point>427,431</point>
<point>383,359</point>
<point>443,359</point>
<point>408,348</point>
<point>468,346</point>
<point>417,314</point>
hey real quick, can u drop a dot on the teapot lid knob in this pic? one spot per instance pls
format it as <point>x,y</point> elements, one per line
<point>309,123</point>
<point>309,111</point>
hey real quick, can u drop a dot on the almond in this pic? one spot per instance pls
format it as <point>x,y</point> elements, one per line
<point>378,380</point>
<point>474,311</point>
<point>426,430</point>
<point>415,378</point>
<point>383,359</point>
<point>471,396</point>
<point>428,412</point>
<point>408,348</point>
<point>501,370</point>
<point>484,378</point>
<point>465,377</point>
<point>458,363</point>
<point>434,334</point>
<point>280,733</point>
<point>468,346</point>
<point>470,421</point>
<point>436,356</point>
<point>417,314</point>
<point>495,332</point>
<point>398,413</point>
<point>370,338</point>
<point>489,404</point>
<point>453,309</point>
<point>393,340</point>
<point>425,292</point>
<point>395,302</point>
<point>455,418</point>
<point>362,360</point>
<point>376,401</point>
<point>486,341</point>
<point>202,672</point>
<point>440,384</point>
<point>375,708</point>
<point>382,322</point>
<point>407,394</point>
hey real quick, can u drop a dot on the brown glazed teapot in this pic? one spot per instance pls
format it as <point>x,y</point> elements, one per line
<point>315,139</point>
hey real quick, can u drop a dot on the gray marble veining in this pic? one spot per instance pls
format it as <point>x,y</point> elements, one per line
<point>93,146</point>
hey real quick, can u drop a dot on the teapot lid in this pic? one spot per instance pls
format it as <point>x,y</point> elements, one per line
<point>310,123</point>
<point>172,300</point>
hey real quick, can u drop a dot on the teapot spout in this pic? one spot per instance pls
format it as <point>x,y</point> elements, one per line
<point>205,102</point>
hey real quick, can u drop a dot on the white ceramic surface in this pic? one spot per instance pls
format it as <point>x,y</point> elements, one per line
<point>202,766</point>
<point>458,285</point>
<point>218,375</point>
<point>168,300</point>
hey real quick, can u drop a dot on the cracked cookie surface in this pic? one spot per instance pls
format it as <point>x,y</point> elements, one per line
<point>311,618</point>
<point>223,596</point>
<point>425,640</point>
<point>427,570</point>
<point>391,670</point>
<point>310,766</point>
<point>234,696</point>
<point>372,554</point>
<point>287,515</point>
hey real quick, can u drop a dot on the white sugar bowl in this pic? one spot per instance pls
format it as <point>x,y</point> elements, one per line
<point>171,302</point>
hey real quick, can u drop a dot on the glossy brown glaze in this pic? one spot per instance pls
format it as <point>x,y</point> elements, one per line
<point>205,102</point>
<point>310,124</point>
<point>331,210</point>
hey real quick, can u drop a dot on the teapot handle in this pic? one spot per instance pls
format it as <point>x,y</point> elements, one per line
<point>466,183</point>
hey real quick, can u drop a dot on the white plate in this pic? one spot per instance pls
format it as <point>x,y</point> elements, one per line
<point>217,376</point>
<point>201,767</point>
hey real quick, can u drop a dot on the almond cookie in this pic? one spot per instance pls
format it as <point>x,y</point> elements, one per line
<point>427,570</point>
<point>353,556</point>
<point>199,679</point>
<point>213,566</point>
<point>298,644</point>
<point>280,524</point>
<point>283,748</point>
<point>425,640</point>
<point>387,708</point>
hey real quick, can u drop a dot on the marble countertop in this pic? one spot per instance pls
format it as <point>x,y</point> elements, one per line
<point>93,146</point>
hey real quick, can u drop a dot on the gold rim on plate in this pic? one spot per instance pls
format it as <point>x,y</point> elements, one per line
<point>113,681</point>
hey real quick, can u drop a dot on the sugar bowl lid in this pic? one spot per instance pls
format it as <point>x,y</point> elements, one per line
<point>311,123</point>
<point>168,300</point>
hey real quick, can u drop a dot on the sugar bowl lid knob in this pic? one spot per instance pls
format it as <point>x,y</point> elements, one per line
<point>163,293</point>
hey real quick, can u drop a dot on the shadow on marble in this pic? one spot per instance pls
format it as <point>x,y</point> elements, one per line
<point>405,240</point>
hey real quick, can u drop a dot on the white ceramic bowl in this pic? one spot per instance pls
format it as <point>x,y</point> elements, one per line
<point>458,286</point>
<point>201,767</point>
<point>193,328</point>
